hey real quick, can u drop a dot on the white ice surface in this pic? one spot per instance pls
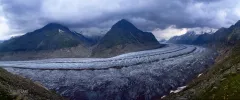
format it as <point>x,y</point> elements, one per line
<point>144,74</point>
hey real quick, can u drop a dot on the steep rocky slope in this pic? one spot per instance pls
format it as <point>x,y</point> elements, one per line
<point>124,37</point>
<point>50,37</point>
<point>187,38</point>
<point>72,52</point>
<point>51,41</point>
<point>221,81</point>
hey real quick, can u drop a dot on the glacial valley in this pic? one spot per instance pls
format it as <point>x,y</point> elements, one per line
<point>145,75</point>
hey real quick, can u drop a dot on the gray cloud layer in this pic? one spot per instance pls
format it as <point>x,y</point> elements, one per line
<point>27,15</point>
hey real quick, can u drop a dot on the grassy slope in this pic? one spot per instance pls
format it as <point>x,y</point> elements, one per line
<point>13,87</point>
<point>221,82</point>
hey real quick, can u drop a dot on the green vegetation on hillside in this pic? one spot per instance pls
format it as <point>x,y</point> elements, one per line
<point>221,82</point>
<point>13,87</point>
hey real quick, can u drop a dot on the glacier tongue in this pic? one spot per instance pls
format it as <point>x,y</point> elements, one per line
<point>138,75</point>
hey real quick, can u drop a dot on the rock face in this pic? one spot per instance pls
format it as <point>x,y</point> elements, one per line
<point>50,37</point>
<point>187,38</point>
<point>124,37</point>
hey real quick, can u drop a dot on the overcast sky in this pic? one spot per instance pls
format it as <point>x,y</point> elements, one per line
<point>165,18</point>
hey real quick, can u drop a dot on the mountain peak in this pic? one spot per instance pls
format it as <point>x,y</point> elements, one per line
<point>238,23</point>
<point>191,33</point>
<point>124,20</point>
<point>54,26</point>
<point>124,24</point>
<point>51,37</point>
<point>124,37</point>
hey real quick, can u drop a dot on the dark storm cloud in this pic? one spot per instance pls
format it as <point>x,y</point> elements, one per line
<point>27,15</point>
<point>21,12</point>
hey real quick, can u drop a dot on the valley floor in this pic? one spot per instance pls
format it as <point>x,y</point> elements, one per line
<point>139,75</point>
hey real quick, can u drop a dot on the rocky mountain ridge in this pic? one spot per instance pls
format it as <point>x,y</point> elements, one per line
<point>124,37</point>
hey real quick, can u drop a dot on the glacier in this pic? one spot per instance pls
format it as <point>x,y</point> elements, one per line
<point>138,75</point>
